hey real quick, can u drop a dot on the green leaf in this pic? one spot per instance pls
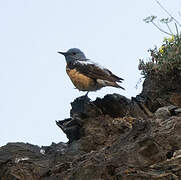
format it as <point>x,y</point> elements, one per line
<point>150,19</point>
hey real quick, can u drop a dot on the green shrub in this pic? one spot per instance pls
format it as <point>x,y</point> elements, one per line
<point>165,59</point>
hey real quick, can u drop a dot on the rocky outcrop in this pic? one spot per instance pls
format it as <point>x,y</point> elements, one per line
<point>109,138</point>
<point>161,90</point>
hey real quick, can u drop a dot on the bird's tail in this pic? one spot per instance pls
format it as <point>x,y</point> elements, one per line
<point>104,83</point>
<point>114,84</point>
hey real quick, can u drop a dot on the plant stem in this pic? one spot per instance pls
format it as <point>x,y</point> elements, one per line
<point>169,28</point>
<point>176,28</point>
<point>160,29</point>
<point>168,13</point>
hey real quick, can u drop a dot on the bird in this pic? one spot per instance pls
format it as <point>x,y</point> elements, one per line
<point>87,75</point>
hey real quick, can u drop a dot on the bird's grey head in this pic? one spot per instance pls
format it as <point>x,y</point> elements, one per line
<point>73,54</point>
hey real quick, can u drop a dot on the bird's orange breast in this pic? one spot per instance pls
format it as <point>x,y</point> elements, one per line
<point>81,81</point>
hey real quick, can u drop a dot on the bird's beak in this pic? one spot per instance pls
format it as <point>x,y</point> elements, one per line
<point>63,53</point>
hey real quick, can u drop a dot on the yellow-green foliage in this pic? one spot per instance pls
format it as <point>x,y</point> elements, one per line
<point>165,59</point>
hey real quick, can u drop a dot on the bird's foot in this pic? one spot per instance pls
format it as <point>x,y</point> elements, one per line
<point>86,95</point>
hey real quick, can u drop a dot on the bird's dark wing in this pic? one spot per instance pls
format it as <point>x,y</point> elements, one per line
<point>93,70</point>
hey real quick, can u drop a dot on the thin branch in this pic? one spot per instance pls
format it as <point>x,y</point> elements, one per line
<point>176,28</point>
<point>168,13</point>
<point>160,29</point>
<point>169,28</point>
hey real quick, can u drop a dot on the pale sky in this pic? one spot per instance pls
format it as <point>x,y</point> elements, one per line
<point>35,89</point>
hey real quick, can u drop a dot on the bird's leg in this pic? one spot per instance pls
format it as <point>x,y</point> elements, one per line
<point>86,95</point>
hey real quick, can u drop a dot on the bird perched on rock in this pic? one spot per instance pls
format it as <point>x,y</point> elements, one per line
<point>87,75</point>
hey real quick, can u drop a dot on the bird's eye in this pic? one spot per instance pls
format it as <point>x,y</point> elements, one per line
<point>74,53</point>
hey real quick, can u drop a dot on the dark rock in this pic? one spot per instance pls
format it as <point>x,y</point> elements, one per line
<point>114,105</point>
<point>53,148</point>
<point>109,138</point>
<point>176,99</point>
<point>71,127</point>
<point>161,90</point>
<point>178,111</point>
<point>172,109</point>
<point>162,113</point>
<point>82,107</point>
<point>21,161</point>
